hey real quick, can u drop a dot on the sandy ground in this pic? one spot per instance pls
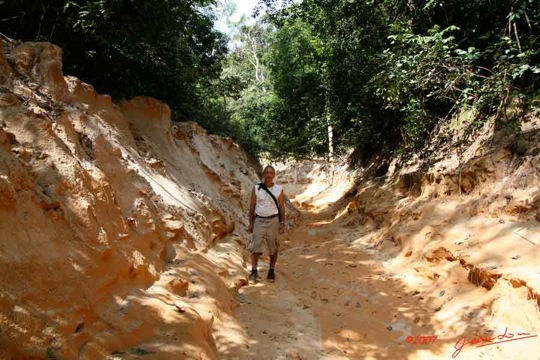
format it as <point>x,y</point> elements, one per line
<point>338,296</point>
<point>330,301</point>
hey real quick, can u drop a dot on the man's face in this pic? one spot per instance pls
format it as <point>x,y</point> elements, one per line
<point>269,174</point>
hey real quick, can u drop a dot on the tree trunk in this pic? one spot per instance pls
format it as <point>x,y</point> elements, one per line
<point>330,140</point>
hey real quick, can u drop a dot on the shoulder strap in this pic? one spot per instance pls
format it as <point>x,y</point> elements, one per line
<point>263,186</point>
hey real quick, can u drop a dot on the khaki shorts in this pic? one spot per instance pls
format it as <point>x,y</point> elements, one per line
<point>265,231</point>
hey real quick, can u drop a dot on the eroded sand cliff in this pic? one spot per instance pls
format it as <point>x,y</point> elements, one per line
<point>119,233</point>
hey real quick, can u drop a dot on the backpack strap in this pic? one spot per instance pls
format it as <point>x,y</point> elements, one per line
<point>263,186</point>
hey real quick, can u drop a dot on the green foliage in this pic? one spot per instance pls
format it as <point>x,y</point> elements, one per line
<point>242,101</point>
<point>295,64</point>
<point>422,77</point>
<point>165,49</point>
<point>280,108</point>
<point>390,71</point>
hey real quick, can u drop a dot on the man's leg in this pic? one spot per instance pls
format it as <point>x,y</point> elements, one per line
<point>273,246</point>
<point>254,260</point>
<point>271,272</point>
<point>273,259</point>
<point>256,250</point>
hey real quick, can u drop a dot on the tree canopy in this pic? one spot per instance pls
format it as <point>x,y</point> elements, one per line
<point>385,73</point>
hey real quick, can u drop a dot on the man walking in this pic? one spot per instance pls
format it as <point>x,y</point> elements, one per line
<point>266,221</point>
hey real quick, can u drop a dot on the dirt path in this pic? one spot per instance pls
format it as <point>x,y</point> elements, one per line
<point>339,297</point>
<point>330,301</point>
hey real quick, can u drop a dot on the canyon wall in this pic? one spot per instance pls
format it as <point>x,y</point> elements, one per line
<point>460,224</point>
<point>121,234</point>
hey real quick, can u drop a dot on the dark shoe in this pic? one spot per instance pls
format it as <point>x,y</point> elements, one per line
<point>253,276</point>
<point>271,275</point>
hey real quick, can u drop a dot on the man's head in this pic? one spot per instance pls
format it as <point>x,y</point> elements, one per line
<point>269,173</point>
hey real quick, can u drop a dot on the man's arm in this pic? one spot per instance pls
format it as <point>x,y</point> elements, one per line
<point>281,203</point>
<point>252,204</point>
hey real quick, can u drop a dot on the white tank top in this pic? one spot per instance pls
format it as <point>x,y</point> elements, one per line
<point>265,204</point>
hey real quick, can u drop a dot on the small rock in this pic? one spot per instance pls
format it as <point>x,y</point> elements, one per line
<point>79,328</point>
<point>293,355</point>
<point>515,257</point>
<point>223,272</point>
<point>437,255</point>
<point>242,299</point>
<point>389,328</point>
<point>517,282</point>
<point>240,282</point>
<point>139,351</point>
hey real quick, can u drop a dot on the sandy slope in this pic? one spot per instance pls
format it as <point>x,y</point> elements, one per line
<point>120,233</point>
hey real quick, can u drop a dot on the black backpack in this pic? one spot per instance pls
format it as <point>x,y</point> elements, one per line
<point>263,186</point>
